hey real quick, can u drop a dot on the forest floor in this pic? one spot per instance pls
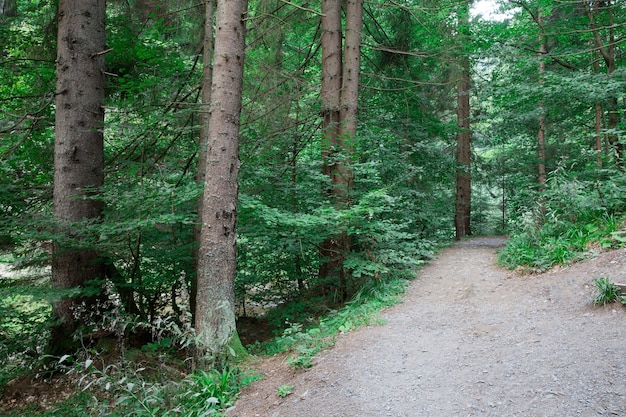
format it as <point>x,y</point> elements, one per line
<point>470,339</point>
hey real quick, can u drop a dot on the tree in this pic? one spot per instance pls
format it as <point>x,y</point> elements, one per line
<point>348,102</point>
<point>215,304</point>
<point>339,94</point>
<point>78,154</point>
<point>205,115</point>
<point>462,218</point>
<point>607,49</point>
<point>8,8</point>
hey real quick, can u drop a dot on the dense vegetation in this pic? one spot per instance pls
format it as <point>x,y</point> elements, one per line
<point>547,122</point>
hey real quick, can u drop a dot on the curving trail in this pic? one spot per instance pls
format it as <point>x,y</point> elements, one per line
<point>470,339</point>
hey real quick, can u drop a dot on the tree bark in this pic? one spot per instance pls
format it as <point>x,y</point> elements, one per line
<point>462,218</point>
<point>78,154</point>
<point>8,8</point>
<point>598,128</point>
<point>330,250</point>
<point>463,156</point>
<point>348,102</point>
<point>205,115</point>
<point>215,305</point>
<point>331,82</point>
<point>340,93</point>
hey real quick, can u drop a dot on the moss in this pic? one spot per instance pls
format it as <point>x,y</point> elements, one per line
<point>237,347</point>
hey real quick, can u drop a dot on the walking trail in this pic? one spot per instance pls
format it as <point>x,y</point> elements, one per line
<point>470,339</point>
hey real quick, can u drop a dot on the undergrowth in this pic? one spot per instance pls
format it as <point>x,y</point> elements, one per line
<point>154,380</point>
<point>305,340</point>
<point>573,218</point>
<point>539,249</point>
<point>130,391</point>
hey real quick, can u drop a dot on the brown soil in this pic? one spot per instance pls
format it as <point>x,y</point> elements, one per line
<point>470,339</point>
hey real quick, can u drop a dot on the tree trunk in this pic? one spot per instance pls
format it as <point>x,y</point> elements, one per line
<point>330,251</point>
<point>348,102</point>
<point>205,114</point>
<point>331,82</point>
<point>340,92</point>
<point>8,8</point>
<point>462,218</point>
<point>78,154</point>
<point>343,177</point>
<point>215,304</point>
<point>598,125</point>
<point>463,155</point>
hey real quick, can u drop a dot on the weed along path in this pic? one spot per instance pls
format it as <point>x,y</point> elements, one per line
<point>470,339</point>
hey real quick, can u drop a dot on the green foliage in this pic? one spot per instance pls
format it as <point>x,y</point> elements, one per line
<point>284,390</point>
<point>579,212</point>
<point>606,291</point>
<point>75,406</point>
<point>208,392</point>
<point>25,308</point>
<point>306,340</point>
<point>117,391</point>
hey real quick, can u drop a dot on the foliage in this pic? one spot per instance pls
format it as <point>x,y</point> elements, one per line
<point>578,213</point>
<point>24,307</point>
<point>607,292</point>
<point>284,390</point>
<point>151,382</point>
<point>306,339</point>
<point>117,390</point>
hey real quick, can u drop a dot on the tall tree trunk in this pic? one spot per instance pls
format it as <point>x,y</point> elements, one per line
<point>205,115</point>
<point>348,102</point>
<point>340,92</point>
<point>463,155</point>
<point>215,299</point>
<point>78,153</point>
<point>331,82</point>
<point>330,251</point>
<point>462,218</point>
<point>343,177</point>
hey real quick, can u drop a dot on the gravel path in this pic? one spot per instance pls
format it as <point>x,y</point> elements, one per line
<point>470,339</point>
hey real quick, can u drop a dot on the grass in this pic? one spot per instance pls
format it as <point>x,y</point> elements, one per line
<point>305,340</point>
<point>606,292</point>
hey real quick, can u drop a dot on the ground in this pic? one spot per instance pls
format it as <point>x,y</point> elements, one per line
<point>470,339</point>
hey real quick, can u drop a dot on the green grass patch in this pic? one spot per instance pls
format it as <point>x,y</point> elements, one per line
<point>606,292</point>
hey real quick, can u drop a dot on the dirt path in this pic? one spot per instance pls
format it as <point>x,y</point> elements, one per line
<point>470,339</point>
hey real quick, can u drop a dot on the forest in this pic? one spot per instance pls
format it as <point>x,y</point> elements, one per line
<point>184,184</point>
